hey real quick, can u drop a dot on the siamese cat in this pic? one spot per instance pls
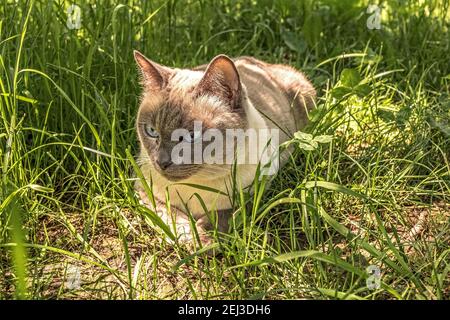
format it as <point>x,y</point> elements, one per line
<point>227,94</point>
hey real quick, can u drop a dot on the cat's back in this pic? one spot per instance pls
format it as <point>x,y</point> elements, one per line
<point>282,94</point>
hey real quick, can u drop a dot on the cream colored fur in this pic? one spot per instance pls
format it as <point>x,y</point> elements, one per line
<point>268,103</point>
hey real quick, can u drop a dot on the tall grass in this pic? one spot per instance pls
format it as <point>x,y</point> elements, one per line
<point>377,194</point>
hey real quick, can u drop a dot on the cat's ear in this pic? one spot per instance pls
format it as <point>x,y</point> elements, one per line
<point>154,76</point>
<point>221,79</point>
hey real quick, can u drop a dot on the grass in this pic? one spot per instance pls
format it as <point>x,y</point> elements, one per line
<point>377,194</point>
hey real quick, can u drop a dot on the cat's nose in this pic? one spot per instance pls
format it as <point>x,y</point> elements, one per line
<point>163,160</point>
<point>164,165</point>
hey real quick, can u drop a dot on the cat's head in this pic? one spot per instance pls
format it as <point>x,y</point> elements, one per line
<point>175,99</point>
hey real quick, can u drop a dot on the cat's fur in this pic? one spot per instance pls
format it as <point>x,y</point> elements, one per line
<point>239,93</point>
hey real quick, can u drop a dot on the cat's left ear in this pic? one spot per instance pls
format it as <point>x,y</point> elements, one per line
<point>221,79</point>
<point>154,75</point>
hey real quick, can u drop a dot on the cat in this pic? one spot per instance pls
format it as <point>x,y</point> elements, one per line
<point>241,93</point>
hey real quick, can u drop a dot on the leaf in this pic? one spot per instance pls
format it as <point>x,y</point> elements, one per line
<point>323,139</point>
<point>303,136</point>
<point>334,187</point>
<point>156,220</point>
<point>350,77</point>
<point>386,115</point>
<point>340,295</point>
<point>306,146</point>
<point>293,41</point>
<point>201,187</point>
<point>340,92</point>
<point>316,114</point>
<point>312,29</point>
<point>21,98</point>
<point>314,144</point>
<point>40,188</point>
<point>277,203</point>
<point>362,90</point>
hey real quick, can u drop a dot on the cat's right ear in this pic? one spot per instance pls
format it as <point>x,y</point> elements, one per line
<point>221,79</point>
<point>154,76</point>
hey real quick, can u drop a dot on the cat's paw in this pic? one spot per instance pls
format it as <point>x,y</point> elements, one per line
<point>206,241</point>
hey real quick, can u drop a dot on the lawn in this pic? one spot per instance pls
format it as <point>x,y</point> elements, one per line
<point>363,216</point>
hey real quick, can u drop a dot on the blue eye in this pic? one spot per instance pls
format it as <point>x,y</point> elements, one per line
<point>151,132</point>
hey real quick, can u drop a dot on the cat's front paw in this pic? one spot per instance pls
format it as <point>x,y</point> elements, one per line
<point>207,240</point>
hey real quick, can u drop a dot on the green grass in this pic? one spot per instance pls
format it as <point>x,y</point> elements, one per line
<point>377,194</point>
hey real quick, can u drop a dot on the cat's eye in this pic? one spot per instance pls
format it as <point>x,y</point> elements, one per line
<point>193,136</point>
<point>150,131</point>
